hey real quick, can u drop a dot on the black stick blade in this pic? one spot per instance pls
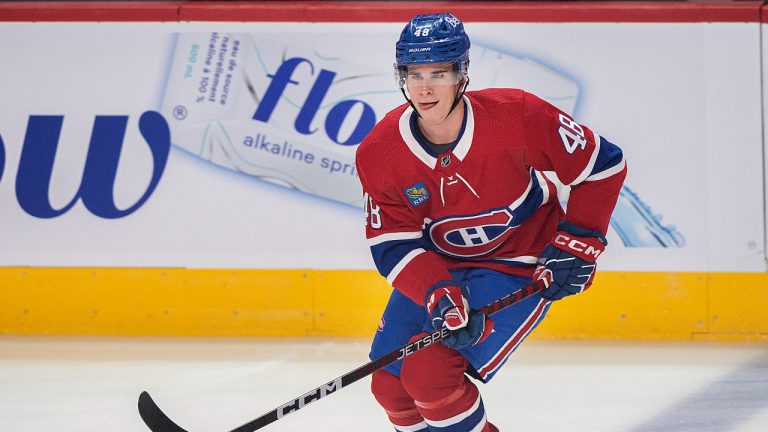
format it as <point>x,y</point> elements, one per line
<point>154,417</point>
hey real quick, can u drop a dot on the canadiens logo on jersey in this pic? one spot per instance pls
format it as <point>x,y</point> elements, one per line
<point>417,194</point>
<point>472,236</point>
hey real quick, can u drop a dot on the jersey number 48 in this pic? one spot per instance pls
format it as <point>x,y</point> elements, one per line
<point>572,134</point>
<point>372,212</point>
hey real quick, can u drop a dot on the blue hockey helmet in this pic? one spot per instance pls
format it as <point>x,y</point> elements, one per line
<point>433,38</point>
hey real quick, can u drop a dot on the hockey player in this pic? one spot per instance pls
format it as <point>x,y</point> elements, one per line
<point>458,214</point>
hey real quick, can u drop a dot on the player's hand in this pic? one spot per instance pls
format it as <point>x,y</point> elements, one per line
<point>447,305</point>
<point>567,264</point>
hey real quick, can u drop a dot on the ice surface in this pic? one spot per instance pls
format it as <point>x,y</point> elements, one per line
<point>92,384</point>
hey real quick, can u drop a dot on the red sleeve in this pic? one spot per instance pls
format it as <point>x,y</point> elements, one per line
<point>394,234</point>
<point>593,167</point>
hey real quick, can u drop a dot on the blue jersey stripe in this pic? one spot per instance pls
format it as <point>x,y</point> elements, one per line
<point>388,254</point>
<point>609,156</point>
<point>467,424</point>
<point>533,201</point>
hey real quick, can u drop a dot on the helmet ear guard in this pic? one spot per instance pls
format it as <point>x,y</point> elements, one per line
<point>400,74</point>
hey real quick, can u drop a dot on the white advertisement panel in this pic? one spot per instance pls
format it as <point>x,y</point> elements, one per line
<point>764,59</point>
<point>228,145</point>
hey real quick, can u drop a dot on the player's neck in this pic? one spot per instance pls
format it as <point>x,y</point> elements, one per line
<point>445,131</point>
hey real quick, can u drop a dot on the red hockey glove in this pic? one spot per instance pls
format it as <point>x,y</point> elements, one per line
<point>447,305</point>
<point>567,264</point>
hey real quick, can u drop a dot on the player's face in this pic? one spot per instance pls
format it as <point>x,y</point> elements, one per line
<point>432,89</point>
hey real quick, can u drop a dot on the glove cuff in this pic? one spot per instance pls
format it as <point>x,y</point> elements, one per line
<point>442,284</point>
<point>578,231</point>
<point>583,243</point>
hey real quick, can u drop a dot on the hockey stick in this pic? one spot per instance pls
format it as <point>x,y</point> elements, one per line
<point>157,421</point>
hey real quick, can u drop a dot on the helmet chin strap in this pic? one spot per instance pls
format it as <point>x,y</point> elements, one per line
<point>456,100</point>
<point>402,89</point>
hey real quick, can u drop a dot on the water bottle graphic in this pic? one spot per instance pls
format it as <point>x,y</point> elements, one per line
<point>638,226</point>
<point>293,114</point>
<point>286,114</point>
<point>633,220</point>
<point>492,67</point>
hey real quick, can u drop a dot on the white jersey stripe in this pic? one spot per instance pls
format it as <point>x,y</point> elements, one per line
<point>403,262</point>
<point>525,259</point>
<point>522,197</point>
<point>496,361</point>
<point>411,235</point>
<point>481,425</point>
<point>457,418</point>
<point>619,167</point>
<point>544,187</point>
<point>591,165</point>
<point>412,428</point>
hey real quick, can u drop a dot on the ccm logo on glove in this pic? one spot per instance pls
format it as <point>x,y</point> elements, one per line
<point>587,249</point>
<point>566,266</point>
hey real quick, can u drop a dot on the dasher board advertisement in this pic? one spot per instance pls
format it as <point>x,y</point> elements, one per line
<point>231,145</point>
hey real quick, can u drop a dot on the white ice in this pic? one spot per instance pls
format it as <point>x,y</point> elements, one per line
<point>92,384</point>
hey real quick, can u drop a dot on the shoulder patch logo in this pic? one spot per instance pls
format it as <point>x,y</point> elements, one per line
<point>417,194</point>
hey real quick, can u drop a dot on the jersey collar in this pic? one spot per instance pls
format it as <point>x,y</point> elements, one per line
<point>461,149</point>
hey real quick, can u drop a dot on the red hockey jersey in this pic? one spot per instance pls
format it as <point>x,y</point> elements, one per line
<point>486,202</point>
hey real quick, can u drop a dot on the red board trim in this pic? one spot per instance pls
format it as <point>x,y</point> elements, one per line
<point>384,11</point>
<point>90,12</point>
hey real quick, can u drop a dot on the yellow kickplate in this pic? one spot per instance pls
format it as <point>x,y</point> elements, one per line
<point>195,302</point>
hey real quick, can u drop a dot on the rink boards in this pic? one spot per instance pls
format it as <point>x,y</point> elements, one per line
<point>244,219</point>
<point>620,305</point>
